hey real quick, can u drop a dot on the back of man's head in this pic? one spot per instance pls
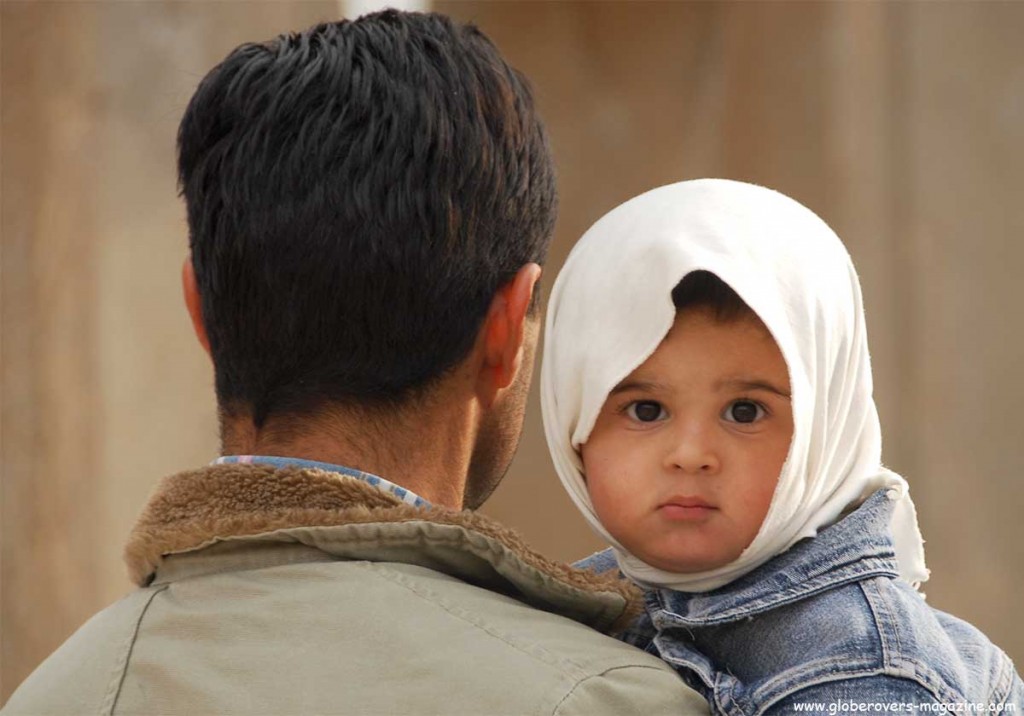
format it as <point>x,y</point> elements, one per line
<point>356,195</point>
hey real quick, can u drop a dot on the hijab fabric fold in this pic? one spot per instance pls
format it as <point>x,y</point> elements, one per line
<point>611,306</point>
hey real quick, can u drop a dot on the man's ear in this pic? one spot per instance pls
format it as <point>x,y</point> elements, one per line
<point>503,332</point>
<point>193,303</point>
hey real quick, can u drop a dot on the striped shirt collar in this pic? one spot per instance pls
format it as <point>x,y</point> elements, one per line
<point>407,496</point>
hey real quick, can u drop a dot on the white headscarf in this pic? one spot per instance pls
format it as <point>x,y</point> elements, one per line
<point>611,306</point>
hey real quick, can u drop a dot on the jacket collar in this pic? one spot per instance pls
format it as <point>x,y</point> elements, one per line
<point>857,547</point>
<point>256,515</point>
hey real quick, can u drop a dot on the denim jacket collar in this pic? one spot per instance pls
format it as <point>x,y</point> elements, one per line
<point>858,546</point>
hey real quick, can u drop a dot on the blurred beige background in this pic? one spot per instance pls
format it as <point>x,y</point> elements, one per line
<point>902,124</point>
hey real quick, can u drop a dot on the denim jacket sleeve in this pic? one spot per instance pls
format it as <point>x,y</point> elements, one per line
<point>827,620</point>
<point>869,694</point>
<point>823,656</point>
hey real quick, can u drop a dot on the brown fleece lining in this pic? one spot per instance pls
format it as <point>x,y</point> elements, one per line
<point>192,509</point>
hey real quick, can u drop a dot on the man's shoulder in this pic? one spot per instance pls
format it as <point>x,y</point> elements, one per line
<point>345,637</point>
<point>508,620</point>
<point>561,664</point>
<point>374,606</point>
<point>83,675</point>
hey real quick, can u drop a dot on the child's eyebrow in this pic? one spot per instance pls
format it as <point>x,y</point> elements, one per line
<point>748,384</point>
<point>648,386</point>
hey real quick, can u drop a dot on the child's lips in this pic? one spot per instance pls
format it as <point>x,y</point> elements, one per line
<point>686,509</point>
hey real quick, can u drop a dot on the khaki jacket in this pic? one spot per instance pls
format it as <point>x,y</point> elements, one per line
<point>297,591</point>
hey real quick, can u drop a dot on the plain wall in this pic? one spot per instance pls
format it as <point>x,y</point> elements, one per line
<point>901,124</point>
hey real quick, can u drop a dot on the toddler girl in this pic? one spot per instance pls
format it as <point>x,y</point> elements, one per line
<point>707,399</point>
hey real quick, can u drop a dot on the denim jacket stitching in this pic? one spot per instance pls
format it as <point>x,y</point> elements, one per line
<point>819,671</point>
<point>726,697</point>
<point>1004,684</point>
<point>838,669</point>
<point>877,621</point>
<point>1011,679</point>
<point>896,660</point>
<point>705,673</point>
<point>886,623</point>
<point>855,560</point>
<point>795,688</point>
<point>867,568</point>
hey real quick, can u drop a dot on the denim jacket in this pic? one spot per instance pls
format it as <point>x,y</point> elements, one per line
<point>826,627</point>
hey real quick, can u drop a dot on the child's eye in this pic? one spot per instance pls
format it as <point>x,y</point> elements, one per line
<point>743,411</point>
<point>645,411</point>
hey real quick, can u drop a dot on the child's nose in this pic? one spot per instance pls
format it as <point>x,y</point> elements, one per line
<point>692,451</point>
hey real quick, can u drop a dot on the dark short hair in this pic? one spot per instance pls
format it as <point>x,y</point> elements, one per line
<point>357,193</point>
<point>703,289</point>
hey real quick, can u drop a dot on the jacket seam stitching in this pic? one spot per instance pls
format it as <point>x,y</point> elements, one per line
<point>585,679</point>
<point>813,673</point>
<point>809,588</point>
<point>909,670</point>
<point>875,612</point>
<point>850,676</point>
<point>731,706</point>
<point>121,669</point>
<point>433,598</point>
<point>1004,683</point>
<point>893,623</point>
<point>902,664</point>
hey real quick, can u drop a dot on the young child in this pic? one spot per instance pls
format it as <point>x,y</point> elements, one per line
<point>707,399</point>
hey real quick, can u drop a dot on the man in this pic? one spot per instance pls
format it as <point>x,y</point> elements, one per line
<point>369,204</point>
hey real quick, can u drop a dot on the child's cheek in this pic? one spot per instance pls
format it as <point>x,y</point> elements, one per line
<point>588,459</point>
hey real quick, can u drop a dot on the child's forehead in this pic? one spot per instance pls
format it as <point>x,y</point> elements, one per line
<point>744,324</point>
<point>725,351</point>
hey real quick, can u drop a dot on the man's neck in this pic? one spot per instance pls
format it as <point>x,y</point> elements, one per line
<point>429,455</point>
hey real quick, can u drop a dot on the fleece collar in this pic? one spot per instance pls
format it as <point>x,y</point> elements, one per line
<point>343,518</point>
